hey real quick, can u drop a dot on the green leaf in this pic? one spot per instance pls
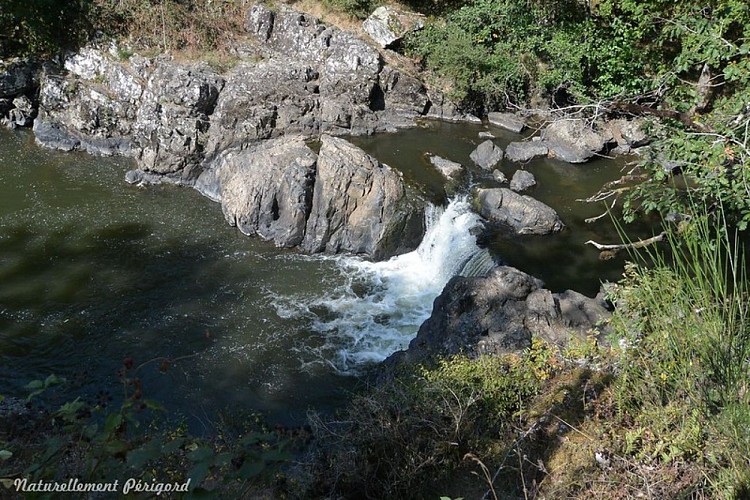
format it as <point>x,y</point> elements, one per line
<point>5,454</point>
<point>154,405</point>
<point>112,423</point>
<point>138,458</point>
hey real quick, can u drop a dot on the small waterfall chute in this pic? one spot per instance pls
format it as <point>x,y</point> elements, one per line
<point>382,304</point>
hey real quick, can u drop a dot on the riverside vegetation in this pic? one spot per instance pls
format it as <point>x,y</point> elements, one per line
<point>658,409</point>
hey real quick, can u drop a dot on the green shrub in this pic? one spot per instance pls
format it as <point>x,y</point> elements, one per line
<point>399,438</point>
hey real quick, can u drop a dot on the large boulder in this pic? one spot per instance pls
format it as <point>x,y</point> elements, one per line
<point>388,25</point>
<point>487,155</point>
<point>360,205</point>
<point>518,213</point>
<point>573,141</point>
<point>499,313</point>
<point>267,189</point>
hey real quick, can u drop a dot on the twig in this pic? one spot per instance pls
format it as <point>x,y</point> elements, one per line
<point>485,471</point>
<point>623,246</point>
<point>605,213</point>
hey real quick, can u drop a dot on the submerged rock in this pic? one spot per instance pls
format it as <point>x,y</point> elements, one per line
<point>522,180</point>
<point>487,155</point>
<point>359,205</point>
<point>518,213</point>
<point>501,312</point>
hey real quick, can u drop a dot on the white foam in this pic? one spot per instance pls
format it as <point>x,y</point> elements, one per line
<point>380,306</point>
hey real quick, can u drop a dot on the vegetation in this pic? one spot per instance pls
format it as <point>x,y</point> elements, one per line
<point>44,27</point>
<point>404,436</point>
<point>98,443</point>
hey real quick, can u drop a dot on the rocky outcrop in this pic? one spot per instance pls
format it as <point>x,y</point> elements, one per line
<point>172,121</point>
<point>522,180</point>
<point>501,312</point>
<point>264,100</point>
<point>301,77</point>
<point>267,190</point>
<point>573,141</point>
<point>521,152</point>
<point>90,105</point>
<point>508,121</point>
<point>359,205</point>
<point>388,25</point>
<point>487,155</point>
<point>517,213</point>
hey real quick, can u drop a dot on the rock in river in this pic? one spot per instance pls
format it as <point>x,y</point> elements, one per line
<point>520,214</point>
<point>359,205</point>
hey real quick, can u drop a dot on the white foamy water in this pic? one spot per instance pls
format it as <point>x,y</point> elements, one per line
<point>381,305</point>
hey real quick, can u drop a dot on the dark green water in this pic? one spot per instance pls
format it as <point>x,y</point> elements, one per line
<point>93,270</point>
<point>562,260</point>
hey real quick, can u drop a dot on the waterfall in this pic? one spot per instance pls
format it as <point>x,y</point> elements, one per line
<point>382,304</point>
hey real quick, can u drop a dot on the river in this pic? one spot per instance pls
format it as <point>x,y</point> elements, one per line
<point>93,270</point>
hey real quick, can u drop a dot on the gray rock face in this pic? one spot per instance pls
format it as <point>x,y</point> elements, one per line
<point>264,100</point>
<point>172,121</point>
<point>448,168</point>
<point>522,180</point>
<point>500,313</point>
<point>525,151</point>
<point>267,190</point>
<point>573,141</point>
<point>487,155</point>
<point>359,205</point>
<point>20,113</point>
<point>16,77</point>
<point>387,25</point>
<point>508,121</point>
<point>176,118</point>
<point>520,214</point>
